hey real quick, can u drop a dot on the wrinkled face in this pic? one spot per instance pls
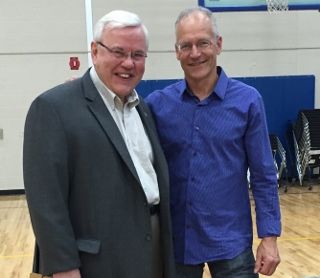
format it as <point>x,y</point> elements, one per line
<point>197,48</point>
<point>119,58</point>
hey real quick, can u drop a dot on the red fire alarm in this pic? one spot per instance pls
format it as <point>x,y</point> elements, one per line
<point>74,63</point>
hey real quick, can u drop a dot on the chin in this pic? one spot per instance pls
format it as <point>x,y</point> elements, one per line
<point>197,76</point>
<point>124,91</point>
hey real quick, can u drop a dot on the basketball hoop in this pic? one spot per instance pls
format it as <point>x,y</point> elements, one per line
<point>277,5</point>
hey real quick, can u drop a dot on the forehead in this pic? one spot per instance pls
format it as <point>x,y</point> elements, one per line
<point>194,26</point>
<point>132,37</point>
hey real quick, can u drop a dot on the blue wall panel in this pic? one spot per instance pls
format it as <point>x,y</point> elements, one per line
<point>255,5</point>
<point>284,97</point>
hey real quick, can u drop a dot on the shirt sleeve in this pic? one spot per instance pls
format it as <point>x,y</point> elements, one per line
<point>263,178</point>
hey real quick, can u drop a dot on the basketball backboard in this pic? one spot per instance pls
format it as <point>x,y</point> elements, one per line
<point>255,5</point>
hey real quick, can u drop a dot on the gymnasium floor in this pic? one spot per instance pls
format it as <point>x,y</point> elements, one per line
<point>299,244</point>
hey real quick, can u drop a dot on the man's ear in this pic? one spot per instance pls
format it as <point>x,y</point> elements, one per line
<point>94,51</point>
<point>177,52</point>
<point>219,45</point>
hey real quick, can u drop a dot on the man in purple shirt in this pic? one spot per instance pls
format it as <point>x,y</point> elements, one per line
<point>212,129</point>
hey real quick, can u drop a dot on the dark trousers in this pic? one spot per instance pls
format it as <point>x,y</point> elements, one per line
<point>157,266</point>
<point>241,266</point>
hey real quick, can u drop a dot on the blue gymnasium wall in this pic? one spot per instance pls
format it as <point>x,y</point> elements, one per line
<point>284,97</point>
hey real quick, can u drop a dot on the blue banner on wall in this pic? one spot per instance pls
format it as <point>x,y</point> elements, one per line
<point>255,5</point>
<point>283,96</point>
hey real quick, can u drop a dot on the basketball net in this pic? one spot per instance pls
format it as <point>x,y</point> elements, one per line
<point>277,5</point>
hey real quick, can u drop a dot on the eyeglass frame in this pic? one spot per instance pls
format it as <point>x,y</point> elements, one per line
<point>121,54</point>
<point>201,45</point>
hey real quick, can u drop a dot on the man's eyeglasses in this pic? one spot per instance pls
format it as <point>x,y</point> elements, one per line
<point>186,47</point>
<point>121,54</point>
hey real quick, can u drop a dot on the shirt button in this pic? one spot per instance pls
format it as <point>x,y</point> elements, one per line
<point>197,128</point>
<point>148,237</point>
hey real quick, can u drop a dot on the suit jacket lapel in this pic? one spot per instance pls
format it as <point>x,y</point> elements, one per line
<point>147,120</point>
<point>101,113</point>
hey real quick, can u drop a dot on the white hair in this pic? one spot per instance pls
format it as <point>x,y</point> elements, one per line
<point>118,19</point>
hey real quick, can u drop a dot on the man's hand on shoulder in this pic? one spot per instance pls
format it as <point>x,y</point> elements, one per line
<point>75,273</point>
<point>72,78</point>
<point>267,258</point>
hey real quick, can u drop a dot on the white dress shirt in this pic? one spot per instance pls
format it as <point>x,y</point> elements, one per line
<point>130,125</point>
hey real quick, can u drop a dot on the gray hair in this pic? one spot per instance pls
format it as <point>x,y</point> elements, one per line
<point>118,19</point>
<point>185,13</point>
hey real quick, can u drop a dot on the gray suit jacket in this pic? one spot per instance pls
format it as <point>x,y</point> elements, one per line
<point>86,203</point>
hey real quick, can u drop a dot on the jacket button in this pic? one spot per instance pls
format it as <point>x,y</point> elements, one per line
<point>148,237</point>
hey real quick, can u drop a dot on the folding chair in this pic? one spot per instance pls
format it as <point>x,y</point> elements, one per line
<point>306,138</point>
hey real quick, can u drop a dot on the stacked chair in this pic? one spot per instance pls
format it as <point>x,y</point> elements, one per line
<point>279,158</point>
<point>306,139</point>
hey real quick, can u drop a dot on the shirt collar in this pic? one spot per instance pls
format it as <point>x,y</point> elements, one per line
<point>222,83</point>
<point>219,89</point>
<point>110,96</point>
